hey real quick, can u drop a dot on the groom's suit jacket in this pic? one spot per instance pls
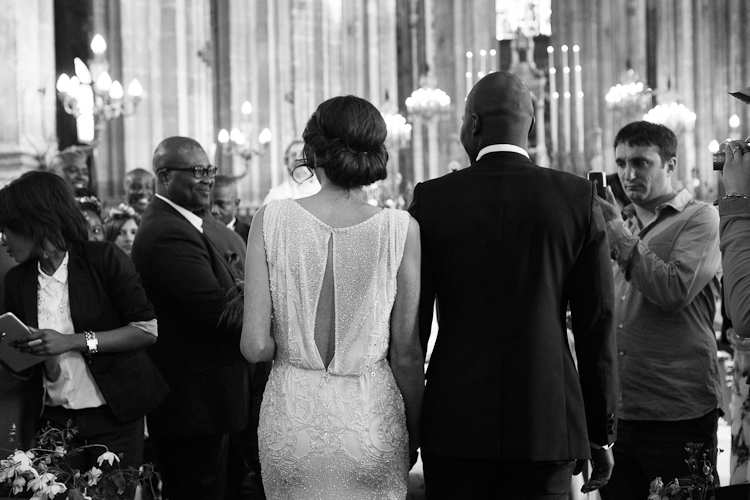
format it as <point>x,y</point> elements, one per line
<point>507,246</point>
<point>188,280</point>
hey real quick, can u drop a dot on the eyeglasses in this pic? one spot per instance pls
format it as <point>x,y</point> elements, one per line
<point>198,171</point>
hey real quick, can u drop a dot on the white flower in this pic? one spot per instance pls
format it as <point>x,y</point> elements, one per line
<point>18,484</point>
<point>108,456</point>
<point>60,451</point>
<point>53,489</point>
<point>93,476</point>
<point>41,482</point>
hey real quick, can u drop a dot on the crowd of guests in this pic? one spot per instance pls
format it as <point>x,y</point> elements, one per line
<point>292,348</point>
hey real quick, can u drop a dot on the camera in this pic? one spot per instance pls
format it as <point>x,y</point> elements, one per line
<point>600,179</point>
<point>720,157</point>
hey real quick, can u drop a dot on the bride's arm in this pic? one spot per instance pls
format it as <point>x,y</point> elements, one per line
<point>257,343</point>
<point>406,357</point>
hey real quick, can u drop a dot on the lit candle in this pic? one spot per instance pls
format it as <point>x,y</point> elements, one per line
<point>552,99</point>
<point>483,66</point>
<point>566,98</point>
<point>493,60</point>
<point>469,72</point>
<point>579,97</point>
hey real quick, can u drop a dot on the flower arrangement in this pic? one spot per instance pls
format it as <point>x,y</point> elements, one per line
<point>698,486</point>
<point>45,472</point>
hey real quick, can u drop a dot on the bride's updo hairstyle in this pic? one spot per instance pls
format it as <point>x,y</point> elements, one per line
<point>345,137</point>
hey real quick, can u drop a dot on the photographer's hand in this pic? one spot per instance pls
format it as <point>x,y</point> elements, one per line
<point>610,209</point>
<point>736,171</point>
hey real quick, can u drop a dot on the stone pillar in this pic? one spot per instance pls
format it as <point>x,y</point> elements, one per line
<point>417,142</point>
<point>27,87</point>
<point>433,147</point>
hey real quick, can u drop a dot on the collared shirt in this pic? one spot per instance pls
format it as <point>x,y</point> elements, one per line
<point>74,386</point>
<point>502,148</point>
<point>232,223</point>
<point>666,284</point>
<point>190,216</point>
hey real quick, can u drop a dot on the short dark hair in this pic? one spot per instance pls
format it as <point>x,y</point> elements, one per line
<point>643,133</point>
<point>170,151</point>
<point>40,205</point>
<point>346,138</point>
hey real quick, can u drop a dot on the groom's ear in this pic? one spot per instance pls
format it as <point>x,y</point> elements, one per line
<point>476,124</point>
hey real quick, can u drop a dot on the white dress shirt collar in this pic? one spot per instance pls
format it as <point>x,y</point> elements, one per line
<point>232,223</point>
<point>190,216</point>
<point>502,148</point>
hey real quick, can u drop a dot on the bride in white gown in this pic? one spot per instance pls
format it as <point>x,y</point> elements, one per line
<point>331,295</point>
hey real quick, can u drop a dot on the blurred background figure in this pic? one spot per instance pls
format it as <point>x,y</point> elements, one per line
<point>225,203</point>
<point>138,186</point>
<point>301,181</point>
<point>91,208</point>
<point>72,165</point>
<point>121,226</point>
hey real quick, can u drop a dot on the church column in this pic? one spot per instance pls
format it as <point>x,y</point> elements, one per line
<point>27,88</point>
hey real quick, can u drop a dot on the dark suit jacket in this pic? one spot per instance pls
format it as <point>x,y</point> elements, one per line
<point>105,293</point>
<point>506,247</point>
<point>242,229</point>
<point>189,283</point>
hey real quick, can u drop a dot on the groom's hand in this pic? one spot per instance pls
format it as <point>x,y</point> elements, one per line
<point>602,463</point>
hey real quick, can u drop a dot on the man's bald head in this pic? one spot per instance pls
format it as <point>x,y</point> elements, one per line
<point>172,150</point>
<point>499,110</point>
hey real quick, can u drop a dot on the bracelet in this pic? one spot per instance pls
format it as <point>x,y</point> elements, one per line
<point>731,197</point>
<point>91,343</point>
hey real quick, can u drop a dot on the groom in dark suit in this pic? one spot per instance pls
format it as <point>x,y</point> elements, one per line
<point>507,247</point>
<point>188,280</point>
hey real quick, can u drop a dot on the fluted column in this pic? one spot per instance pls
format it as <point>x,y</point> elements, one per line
<point>418,148</point>
<point>27,86</point>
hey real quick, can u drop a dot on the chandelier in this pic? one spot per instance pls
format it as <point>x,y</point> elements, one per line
<point>630,92</point>
<point>674,116</point>
<point>399,132</point>
<point>235,142</point>
<point>91,95</point>
<point>428,102</point>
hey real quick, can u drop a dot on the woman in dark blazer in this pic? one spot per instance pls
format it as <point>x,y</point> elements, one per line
<point>88,315</point>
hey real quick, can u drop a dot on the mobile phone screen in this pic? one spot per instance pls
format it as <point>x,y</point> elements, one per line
<point>600,179</point>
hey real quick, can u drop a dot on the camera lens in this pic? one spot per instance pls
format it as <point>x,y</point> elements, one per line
<point>719,159</point>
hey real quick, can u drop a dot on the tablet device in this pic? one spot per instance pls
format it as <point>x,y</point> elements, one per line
<point>12,329</point>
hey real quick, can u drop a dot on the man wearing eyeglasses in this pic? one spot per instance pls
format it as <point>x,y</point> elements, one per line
<point>189,282</point>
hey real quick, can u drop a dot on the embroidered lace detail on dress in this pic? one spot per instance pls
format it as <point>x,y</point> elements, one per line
<point>338,433</point>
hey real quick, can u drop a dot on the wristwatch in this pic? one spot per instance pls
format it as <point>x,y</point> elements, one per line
<point>92,343</point>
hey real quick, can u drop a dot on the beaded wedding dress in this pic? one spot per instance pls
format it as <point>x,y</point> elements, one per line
<point>337,432</point>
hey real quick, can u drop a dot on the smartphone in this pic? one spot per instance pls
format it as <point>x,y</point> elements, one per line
<point>600,179</point>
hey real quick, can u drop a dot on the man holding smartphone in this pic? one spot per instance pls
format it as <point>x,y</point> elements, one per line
<point>666,286</point>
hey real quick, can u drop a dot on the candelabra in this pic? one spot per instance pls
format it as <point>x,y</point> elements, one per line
<point>235,142</point>
<point>91,95</point>
<point>428,102</point>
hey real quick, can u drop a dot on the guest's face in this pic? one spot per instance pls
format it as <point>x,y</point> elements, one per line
<point>19,247</point>
<point>139,191</point>
<point>290,159</point>
<point>125,237</point>
<point>224,204</point>
<point>96,233</point>
<point>181,185</point>
<point>645,177</point>
<point>75,173</point>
